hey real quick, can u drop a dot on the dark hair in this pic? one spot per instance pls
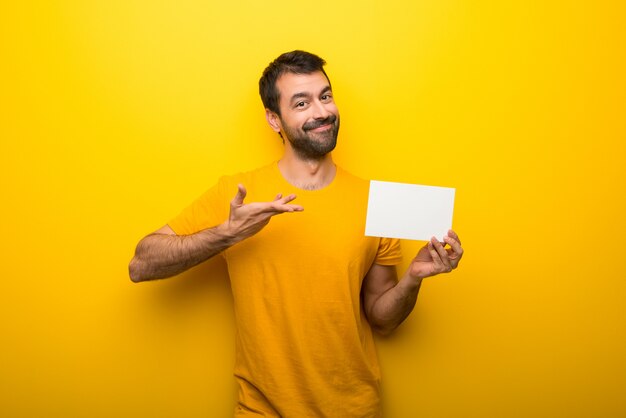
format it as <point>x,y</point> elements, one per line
<point>296,62</point>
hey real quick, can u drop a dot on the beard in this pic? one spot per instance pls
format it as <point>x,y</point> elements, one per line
<point>313,145</point>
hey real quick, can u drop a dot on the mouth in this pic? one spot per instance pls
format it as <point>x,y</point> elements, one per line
<point>322,128</point>
<point>321,125</point>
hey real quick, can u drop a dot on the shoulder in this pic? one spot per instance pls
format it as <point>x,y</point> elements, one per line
<point>347,176</point>
<point>347,180</point>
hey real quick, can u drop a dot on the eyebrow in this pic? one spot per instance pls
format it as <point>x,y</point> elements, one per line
<point>305,95</point>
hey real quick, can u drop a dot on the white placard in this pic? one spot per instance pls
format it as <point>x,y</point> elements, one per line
<point>409,211</point>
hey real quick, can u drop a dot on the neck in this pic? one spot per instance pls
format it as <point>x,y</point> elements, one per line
<point>307,174</point>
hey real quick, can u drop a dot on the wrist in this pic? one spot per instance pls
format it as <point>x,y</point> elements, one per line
<point>412,282</point>
<point>228,233</point>
<point>419,273</point>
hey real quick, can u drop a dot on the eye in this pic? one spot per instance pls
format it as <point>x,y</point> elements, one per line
<point>326,97</point>
<point>300,104</point>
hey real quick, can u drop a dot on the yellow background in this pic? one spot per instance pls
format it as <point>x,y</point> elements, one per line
<point>117,114</point>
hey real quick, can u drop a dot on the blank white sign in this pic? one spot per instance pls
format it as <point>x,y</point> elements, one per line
<point>409,211</point>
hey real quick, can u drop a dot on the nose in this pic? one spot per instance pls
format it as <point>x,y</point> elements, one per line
<point>319,110</point>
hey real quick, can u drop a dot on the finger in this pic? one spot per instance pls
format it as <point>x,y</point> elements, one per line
<point>275,207</point>
<point>437,264</point>
<point>240,196</point>
<point>455,245</point>
<point>278,197</point>
<point>286,199</point>
<point>281,205</point>
<point>434,255</point>
<point>287,208</point>
<point>443,254</point>
<point>453,235</point>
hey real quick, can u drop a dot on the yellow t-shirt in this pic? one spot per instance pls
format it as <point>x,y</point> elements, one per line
<point>303,346</point>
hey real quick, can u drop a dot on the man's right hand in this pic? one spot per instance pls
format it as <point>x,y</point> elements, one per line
<point>246,219</point>
<point>165,254</point>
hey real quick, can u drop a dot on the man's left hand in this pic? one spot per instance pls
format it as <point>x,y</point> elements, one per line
<point>433,258</point>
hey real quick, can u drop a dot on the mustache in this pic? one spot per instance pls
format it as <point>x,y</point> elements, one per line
<point>317,123</point>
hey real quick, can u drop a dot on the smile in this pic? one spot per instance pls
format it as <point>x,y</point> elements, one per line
<point>323,128</point>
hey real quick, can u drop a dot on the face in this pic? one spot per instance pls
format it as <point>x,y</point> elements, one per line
<point>309,117</point>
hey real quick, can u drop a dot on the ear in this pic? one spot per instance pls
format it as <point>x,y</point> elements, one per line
<point>273,120</point>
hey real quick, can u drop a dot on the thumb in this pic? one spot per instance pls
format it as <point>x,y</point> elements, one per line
<point>241,194</point>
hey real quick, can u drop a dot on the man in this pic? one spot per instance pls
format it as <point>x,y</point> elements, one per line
<point>308,286</point>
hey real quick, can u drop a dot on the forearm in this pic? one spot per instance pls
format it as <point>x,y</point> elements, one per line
<point>393,306</point>
<point>163,255</point>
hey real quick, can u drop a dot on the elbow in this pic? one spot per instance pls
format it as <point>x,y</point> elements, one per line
<point>134,271</point>
<point>383,331</point>
<point>382,326</point>
<point>380,323</point>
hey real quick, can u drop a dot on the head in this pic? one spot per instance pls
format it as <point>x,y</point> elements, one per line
<point>299,104</point>
<point>295,62</point>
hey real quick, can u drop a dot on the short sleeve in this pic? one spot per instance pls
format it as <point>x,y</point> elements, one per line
<point>389,252</point>
<point>209,210</point>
